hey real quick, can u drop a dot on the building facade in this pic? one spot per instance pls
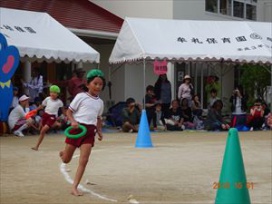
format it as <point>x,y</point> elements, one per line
<point>127,79</point>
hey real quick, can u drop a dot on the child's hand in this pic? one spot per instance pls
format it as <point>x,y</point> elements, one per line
<point>100,135</point>
<point>74,125</point>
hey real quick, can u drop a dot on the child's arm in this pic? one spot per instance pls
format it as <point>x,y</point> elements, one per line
<point>71,118</point>
<point>99,128</point>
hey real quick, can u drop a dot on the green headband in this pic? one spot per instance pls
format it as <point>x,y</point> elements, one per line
<point>95,73</point>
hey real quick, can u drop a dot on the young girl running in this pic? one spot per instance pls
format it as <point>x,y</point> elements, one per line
<point>49,119</point>
<point>86,109</point>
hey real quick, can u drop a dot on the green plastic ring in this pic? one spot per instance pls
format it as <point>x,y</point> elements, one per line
<point>81,134</point>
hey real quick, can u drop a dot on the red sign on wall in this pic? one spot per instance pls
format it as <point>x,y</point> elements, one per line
<point>160,67</point>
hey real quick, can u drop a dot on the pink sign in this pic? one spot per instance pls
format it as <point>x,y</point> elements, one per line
<point>160,67</point>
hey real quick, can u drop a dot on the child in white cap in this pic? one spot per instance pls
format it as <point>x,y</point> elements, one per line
<point>16,120</point>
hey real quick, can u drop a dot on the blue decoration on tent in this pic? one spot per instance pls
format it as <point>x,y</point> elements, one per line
<point>9,61</point>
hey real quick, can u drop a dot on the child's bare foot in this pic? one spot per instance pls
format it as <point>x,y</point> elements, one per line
<point>34,148</point>
<point>75,192</point>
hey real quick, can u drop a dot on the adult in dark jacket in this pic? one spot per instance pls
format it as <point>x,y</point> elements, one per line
<point>163,92</point>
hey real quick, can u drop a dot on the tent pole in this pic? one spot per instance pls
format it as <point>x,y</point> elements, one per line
<point>144,85</point>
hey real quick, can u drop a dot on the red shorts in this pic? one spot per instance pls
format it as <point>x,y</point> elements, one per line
<point>19,124</point>
<point>48,119</point>
<point>87,139</point>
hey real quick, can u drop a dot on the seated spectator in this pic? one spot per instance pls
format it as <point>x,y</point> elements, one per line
<point>256,117</point>
<point>196,106</point>
<point>63,119</point>
<point>15,99</point>
<point>214,119</point>
<point>16,120</point>
<point>131,116</point>
<point>159,122</point>
<point>269,120</point>
<point>213,97</point>
<point>187,114</point>
<point>150,102</point>
<point>174,118</point>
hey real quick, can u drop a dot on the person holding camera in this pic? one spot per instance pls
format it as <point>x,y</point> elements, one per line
<point>238,108</point>
<point>131,116</point>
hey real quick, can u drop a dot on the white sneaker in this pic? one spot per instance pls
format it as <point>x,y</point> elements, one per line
<point>18,133</point>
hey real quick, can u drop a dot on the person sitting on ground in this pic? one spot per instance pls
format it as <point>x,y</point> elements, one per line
<point>269,120</point>
<point>256,117</point>
<point>150,103</point>
<point>214,120</point>
<point>187,114</point>
<point>15,99</point>
<point>174,118</point>
<point>160,121</point>
<point>16,119</point>
<point>196,106</point>
<point>213,97</point>
<point>131,116</point>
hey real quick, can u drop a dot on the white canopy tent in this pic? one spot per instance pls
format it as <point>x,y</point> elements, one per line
<point>199,41</point>
<point>187,40</point>
<point>40,37</point>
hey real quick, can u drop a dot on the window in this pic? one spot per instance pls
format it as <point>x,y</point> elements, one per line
<point>211,6</point>
<point>225,7</point>
<point>245,9</point>
<point>250,12</point>
<point>238,9</point>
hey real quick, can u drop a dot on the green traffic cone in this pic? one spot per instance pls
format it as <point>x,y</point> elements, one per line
<point>232,187</point>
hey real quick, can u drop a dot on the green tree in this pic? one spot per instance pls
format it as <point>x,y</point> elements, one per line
<point>255,79</point>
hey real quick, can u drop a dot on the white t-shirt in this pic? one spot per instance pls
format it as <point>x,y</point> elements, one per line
<point>86,108</point>
<point>17,113</point>
<point>52,106</point>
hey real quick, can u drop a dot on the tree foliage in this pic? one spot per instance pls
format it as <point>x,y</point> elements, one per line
<point>255,79</point>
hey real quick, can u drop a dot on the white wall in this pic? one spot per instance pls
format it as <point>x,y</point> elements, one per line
<point>136,8</point>
<point>134,80</point>
<point>264,10</point>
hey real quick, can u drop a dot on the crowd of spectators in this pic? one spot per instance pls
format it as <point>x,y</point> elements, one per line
<point>186,112</point>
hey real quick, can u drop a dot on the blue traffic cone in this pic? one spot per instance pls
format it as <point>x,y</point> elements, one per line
<point>143,138</point>
<point>232,186</point>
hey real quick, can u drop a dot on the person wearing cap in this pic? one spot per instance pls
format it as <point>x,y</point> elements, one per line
<point>16,120</point>
<point>52,104</point>
<point>86,109</point>
<point>77,83</point>
<point>186,90</point>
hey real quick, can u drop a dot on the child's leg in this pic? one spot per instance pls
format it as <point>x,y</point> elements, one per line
<point>42,133</point>
<point>85,151</point>
<point>67,154</point>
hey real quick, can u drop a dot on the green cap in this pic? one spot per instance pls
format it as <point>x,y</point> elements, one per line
<point>95,73</point>
<point>55,89</point>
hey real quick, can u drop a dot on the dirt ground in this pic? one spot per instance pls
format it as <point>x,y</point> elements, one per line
<point>182,167</point>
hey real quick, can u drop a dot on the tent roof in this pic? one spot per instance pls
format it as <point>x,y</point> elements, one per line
<point>40,37</point>
<point>188,40</point>
<point>77,14</point>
